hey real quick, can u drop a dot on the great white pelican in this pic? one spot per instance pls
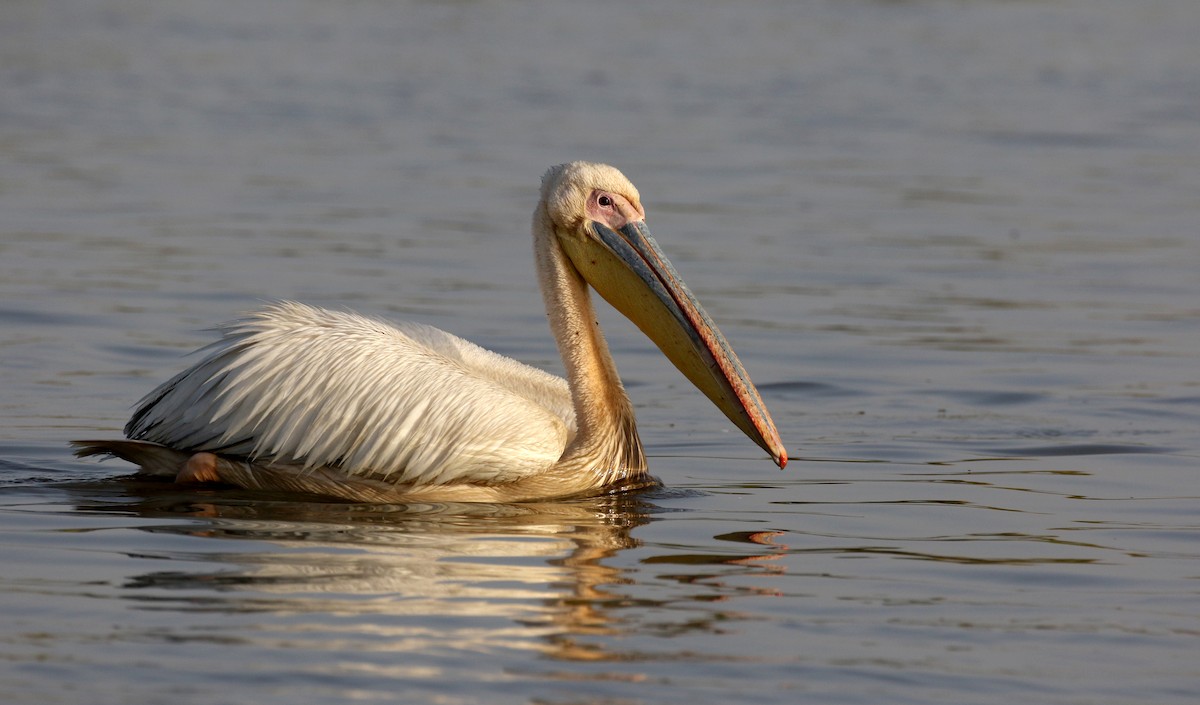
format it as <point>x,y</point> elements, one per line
<point>298,398</point>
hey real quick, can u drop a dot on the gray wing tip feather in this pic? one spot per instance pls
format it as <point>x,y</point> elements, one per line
<point>152,458</point>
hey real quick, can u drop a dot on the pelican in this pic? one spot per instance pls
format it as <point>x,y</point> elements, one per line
<point>297,398</point>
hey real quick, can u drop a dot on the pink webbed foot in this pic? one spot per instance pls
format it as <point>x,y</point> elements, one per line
<point>201,467</point>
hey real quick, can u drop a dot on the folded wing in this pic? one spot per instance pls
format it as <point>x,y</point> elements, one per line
<point>406,403</point>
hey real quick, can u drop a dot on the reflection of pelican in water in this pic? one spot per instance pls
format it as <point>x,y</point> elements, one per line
<point>420,579</point>
<point>301,399</point>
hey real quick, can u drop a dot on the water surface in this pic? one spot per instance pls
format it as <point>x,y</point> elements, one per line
<point>954,243</point>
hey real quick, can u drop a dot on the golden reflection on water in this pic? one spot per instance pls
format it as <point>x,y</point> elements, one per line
<point>398,578</point>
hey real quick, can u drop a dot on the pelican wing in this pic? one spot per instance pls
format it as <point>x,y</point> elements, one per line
<point>405,402</point>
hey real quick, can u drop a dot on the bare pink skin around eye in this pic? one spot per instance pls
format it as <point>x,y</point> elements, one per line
<point>616,212</point>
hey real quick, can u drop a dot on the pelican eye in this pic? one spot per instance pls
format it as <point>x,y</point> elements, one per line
<point>605,201</point>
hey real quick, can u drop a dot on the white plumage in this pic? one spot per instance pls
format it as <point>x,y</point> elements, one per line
<point>401,402</point>
<point>303,399</point>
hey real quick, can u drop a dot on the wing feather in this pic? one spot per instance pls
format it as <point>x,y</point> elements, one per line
<point>404,402</point>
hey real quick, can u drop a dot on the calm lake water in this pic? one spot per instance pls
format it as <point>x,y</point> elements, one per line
<point>957,244</point>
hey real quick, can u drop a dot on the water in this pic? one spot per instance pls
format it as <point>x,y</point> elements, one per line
<point>954,243</point>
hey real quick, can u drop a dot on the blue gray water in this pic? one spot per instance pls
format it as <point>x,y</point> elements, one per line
<point>957,244</point>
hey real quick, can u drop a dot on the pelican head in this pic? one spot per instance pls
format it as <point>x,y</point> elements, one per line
<point>597,218</point>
